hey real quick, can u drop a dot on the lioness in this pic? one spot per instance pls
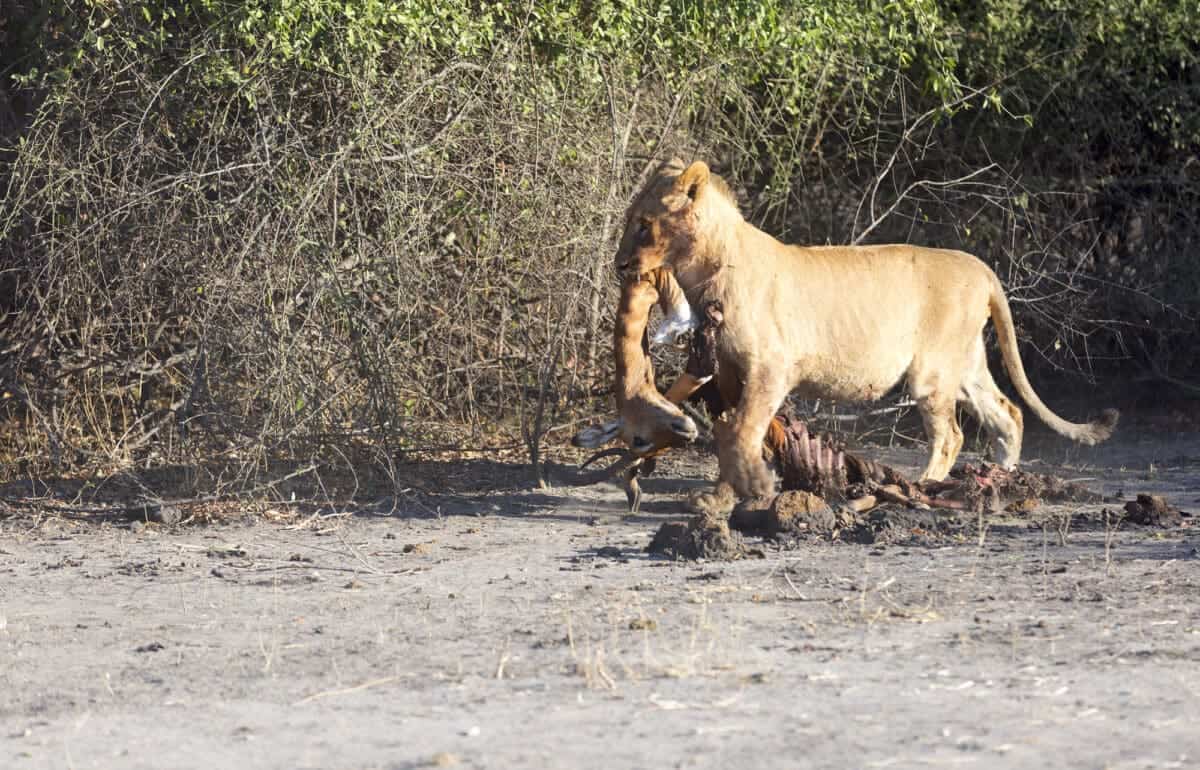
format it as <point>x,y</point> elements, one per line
<point>841,322</point>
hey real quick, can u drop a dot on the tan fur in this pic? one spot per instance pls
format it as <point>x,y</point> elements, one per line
<point>840,322</point>
<point>641,411</point>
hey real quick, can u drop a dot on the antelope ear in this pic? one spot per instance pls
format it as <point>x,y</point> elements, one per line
<point>684,387</point>
<point>693,179</point>
<point>597,435</point>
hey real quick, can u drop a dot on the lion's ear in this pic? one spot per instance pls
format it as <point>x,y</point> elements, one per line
<point>693,179</point>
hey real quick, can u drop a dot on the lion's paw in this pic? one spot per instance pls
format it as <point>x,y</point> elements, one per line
<point>718,501</point>
<point>752,478</point>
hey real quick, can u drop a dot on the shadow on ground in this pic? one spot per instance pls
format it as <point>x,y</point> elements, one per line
<point>467,487</point>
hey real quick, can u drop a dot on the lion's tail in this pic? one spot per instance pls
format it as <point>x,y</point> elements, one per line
<point>1085,433</point>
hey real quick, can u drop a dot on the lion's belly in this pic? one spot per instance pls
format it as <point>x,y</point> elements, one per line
<point>849,358</point>
<point>848,378</point>
<point>855,347</point>
<point>864,373</point>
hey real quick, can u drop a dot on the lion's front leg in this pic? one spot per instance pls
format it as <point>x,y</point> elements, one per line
<point>739,447</point>
<point>720,500</point>
<point>741,457</point>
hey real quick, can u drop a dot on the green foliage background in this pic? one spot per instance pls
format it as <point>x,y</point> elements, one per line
<point>287,227</point>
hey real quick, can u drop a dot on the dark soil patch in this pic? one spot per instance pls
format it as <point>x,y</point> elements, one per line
<point>702,537</point>
<point>794,515</point>
<point>889,524</point>
<point>1153,511</point>
<point>975,495</point>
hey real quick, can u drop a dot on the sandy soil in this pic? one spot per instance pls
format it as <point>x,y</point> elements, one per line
<point>490,625</point>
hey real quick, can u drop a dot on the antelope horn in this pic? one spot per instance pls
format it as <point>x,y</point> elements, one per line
<point>623,463</point>
<point>684,387</point>
<point>613,452</point>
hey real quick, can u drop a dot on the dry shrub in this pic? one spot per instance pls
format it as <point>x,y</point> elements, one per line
<point>251,230</point>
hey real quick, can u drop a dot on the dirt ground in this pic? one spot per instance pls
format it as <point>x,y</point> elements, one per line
<point>478,623</point>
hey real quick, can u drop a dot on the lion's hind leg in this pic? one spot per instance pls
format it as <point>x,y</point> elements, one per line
<point>1000,417</point>
<point>949,359</point>
<point>944,434</point>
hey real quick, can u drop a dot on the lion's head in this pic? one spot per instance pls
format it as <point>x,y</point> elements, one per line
<point>660,225</point>
<point>668,221</point>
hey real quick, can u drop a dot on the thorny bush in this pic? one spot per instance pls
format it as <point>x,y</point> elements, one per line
<point>341,231</point>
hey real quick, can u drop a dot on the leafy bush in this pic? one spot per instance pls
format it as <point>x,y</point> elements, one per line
<point>269,228</point>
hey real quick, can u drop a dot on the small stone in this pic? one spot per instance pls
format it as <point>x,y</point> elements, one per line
<point>165,513</point>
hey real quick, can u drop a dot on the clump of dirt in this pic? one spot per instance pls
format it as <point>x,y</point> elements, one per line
<point>796,511</point>
<point>795,514</point>
<point>750,516</point>
<point>1153,511</point>
<point>702,537</point>
<point>791,512</point>
<point>890,524</point>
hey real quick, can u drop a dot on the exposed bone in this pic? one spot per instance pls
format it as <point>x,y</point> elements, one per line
<point>864,503</point>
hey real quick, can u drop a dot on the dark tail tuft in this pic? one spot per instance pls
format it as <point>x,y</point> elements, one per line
<point>1102,427</point>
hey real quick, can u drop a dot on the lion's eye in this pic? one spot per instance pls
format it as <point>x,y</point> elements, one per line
<point>643,232</point>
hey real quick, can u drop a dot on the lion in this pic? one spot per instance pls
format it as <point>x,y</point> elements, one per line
<point>837,322</point>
